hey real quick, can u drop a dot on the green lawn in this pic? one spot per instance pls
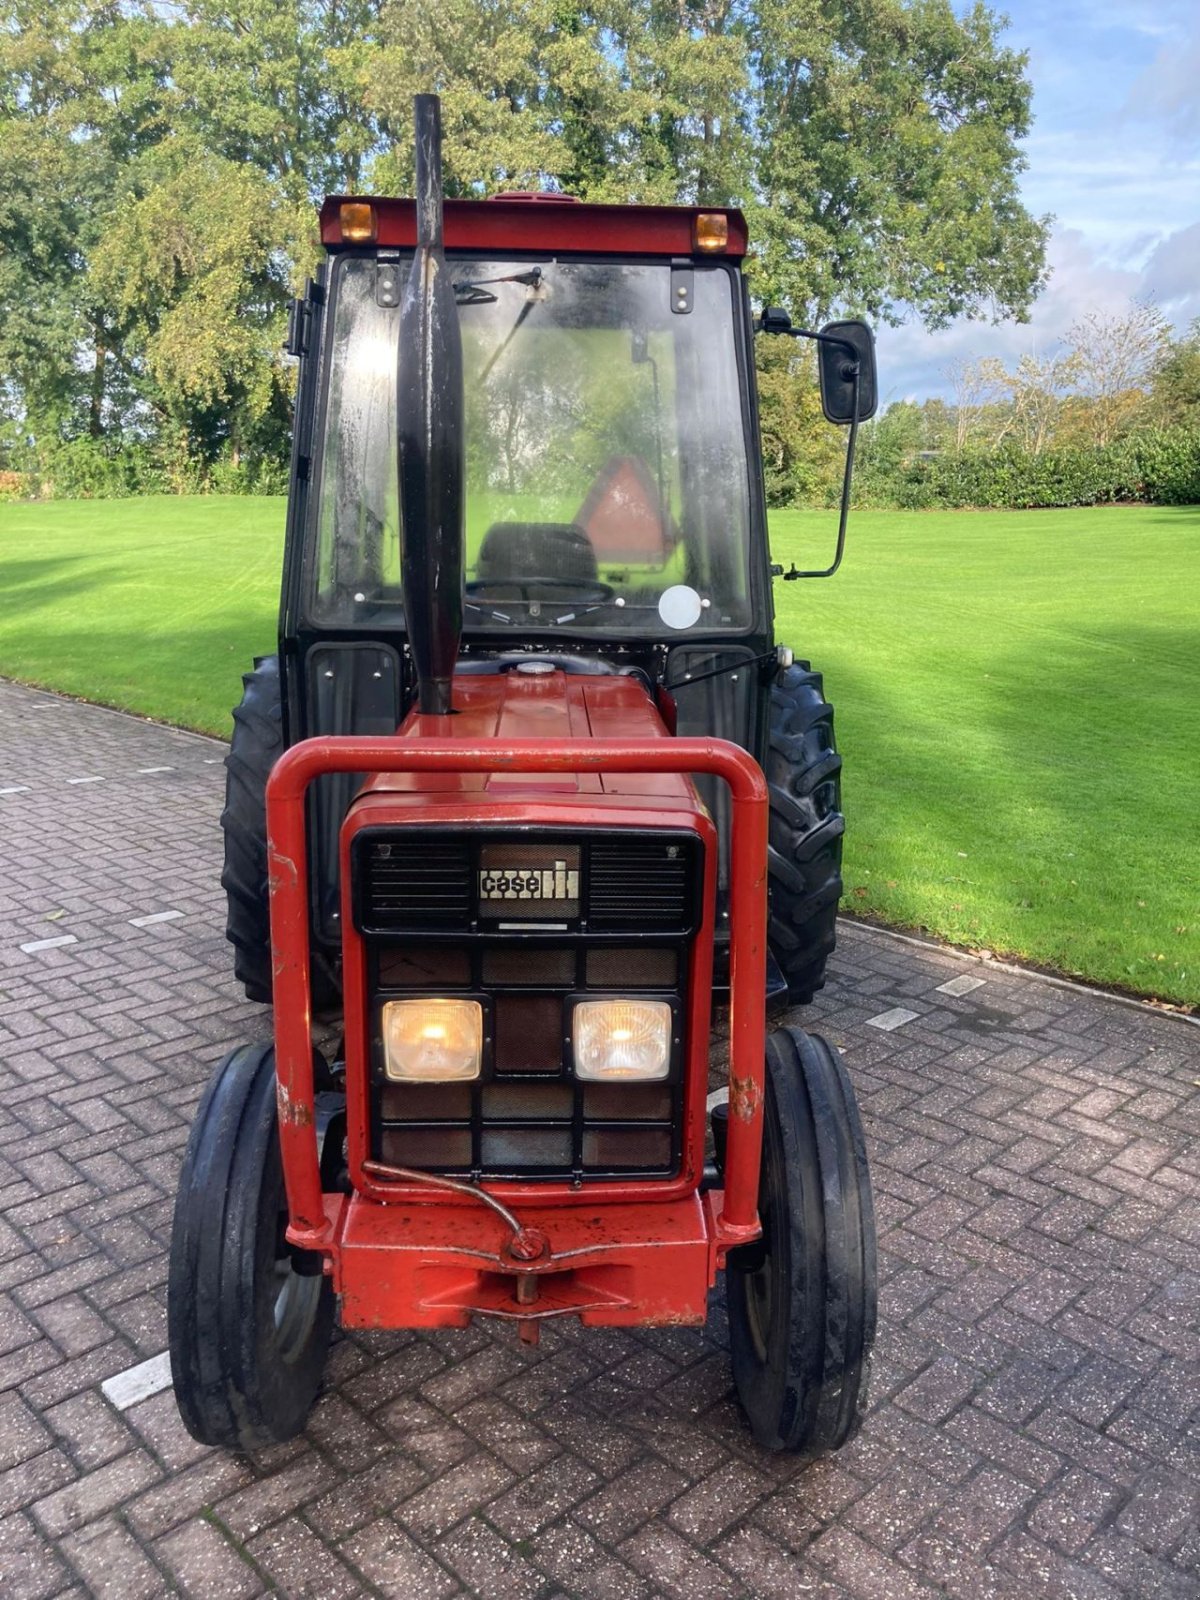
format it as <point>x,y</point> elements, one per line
<point>1019,705</point>
<point>1018,696</point>
<point>155,605</point>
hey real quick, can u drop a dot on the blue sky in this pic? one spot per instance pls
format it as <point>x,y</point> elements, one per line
<point>1114,155</point>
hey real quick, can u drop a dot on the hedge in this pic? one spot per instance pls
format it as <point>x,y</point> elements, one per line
<point>1162,467</point>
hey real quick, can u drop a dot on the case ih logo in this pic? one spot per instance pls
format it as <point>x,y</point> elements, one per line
<point>558,882</point>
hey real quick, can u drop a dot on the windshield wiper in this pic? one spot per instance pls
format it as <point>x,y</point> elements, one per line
<point>532,280</point>
<point>473,291</point>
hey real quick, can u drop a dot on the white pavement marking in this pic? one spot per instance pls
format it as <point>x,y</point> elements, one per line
<point>125,1389</point>
<point>49,944</point>
<point>85,780</point>
<point>895,1018</point>
<point>213,761</point>
<point>963,984</point>
<point>16,788</point>
<point>718,1097</point>
<point>156,769</point>
<point>159,916</point>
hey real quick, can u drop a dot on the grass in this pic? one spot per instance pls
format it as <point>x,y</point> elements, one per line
<point>1018,697</point>
<point>155,605</point>
<point>1018,703</point>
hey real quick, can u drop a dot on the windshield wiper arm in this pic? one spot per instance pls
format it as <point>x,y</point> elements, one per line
<point>473,291</point>
<point>532,279</point>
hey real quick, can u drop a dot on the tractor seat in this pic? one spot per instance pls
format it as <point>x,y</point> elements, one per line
<point>518,552</point>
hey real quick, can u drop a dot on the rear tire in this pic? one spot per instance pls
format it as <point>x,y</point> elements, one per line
<point>803,769</point>
<point>802,1299</point>
<point>256,745</point>
<point>248,1335</point>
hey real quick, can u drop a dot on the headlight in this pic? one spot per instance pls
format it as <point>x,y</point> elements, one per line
<point>615,1039</point>
<point>432,1041</point>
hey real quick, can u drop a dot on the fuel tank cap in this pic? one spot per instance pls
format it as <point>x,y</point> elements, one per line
<point>536,669</point>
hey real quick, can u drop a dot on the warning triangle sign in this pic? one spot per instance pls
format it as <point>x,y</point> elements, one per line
<point>623,515</point>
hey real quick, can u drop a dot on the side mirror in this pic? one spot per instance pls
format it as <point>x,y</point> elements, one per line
<point>845,348</point>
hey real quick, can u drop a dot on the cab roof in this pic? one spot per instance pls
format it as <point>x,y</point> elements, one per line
<point>544,222</point>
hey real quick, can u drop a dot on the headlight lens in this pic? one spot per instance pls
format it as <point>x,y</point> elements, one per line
<point>432,1041</point>
<point>622,1039</point>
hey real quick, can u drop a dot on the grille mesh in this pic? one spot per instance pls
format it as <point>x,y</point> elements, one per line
<point>418,883</point>
<point>638,884</point>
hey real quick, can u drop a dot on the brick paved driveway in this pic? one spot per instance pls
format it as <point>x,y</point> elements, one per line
<point>1037,1383</point>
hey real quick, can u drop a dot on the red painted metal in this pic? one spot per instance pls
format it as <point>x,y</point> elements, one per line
<point>554,705</point>
<point>515,705</point>
<point>615,1265</point>
<point>632,1251</point>
<point>467,813</point>
<point>503,226</point>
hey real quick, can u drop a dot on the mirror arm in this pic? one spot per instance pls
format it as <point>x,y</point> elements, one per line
<point>824,338</point>
<point>847,478</point>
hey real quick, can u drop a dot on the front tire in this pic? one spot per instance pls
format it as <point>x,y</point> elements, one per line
<point>248,1334</point>
<point>803,770</point>
<point>802,1299</point>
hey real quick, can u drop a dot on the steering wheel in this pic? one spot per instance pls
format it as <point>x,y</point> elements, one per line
<point>531,590</point>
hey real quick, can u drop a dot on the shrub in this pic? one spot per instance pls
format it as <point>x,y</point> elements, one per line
<point>1169,466</point>
<point>1161,466</point>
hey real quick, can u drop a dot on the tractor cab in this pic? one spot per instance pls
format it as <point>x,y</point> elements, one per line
<point>527,792</point>
<point>609,490</point>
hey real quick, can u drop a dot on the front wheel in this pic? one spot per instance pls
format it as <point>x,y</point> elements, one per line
<point>248,1333</point>
<point>802,1299</point>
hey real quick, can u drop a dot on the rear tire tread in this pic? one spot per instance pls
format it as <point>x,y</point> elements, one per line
<point>256,745</point>
<point>803,770</point>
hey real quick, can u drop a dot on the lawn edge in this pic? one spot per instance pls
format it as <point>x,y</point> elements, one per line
<point>117,711</point>
<point>1008,961</point>
<point>906,933</point>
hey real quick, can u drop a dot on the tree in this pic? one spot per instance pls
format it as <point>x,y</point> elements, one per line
<point>1114,359</point>
<point>887,160</point>
<point>1032,397</point>
<point>973,386</point>
<point>1176,382</point>
<point>194,268</point>
<point>802,454</point>
<point>875,147</point>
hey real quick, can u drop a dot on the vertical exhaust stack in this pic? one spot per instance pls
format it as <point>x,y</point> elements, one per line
<point>429,416</point>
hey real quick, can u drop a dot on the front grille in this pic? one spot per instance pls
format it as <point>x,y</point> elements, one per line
<point>604,883</point>
<point>423,883</point>
<point>638,883</point>
<point>621,923</point>
<point>528,1116</point>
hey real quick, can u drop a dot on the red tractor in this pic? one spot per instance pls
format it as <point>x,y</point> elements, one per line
<point>527,784</point>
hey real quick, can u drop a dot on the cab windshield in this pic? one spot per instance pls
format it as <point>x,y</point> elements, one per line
<point>607,486</point>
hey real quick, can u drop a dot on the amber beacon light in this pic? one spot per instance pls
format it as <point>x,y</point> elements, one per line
<point>712,230</point>
<point>358,222</point>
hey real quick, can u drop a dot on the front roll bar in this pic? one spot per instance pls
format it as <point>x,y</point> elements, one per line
<point>287,864</point>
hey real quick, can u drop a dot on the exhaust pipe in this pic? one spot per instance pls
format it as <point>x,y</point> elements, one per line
<point>429,416</point>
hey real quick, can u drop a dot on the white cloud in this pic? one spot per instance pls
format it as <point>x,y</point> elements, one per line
<point>1172,274</point>
<point>1166,93</point>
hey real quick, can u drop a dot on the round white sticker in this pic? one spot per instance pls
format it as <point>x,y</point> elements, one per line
<point>679,606</point>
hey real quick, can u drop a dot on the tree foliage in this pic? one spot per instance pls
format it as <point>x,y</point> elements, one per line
<point>1175,385</point>
<point>159,162</point>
